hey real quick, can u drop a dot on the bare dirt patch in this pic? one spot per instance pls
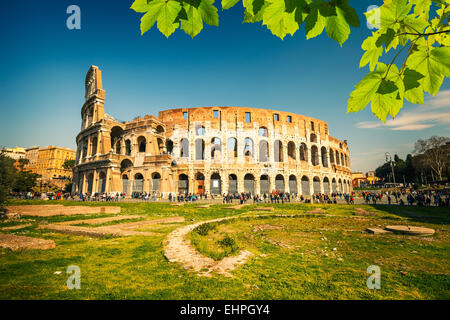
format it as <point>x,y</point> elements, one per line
<point>57,210</point>
<point>15,243</point>
<point>362,212</point>
<point>21,226</point>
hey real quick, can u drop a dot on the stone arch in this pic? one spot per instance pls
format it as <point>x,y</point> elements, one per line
<point>125,164</point>
<point>313,138</point>
<point>169,146</point>
<point>90,181</point>
<point>160,144</point>
<point>326,185</point>
<point>232,183</point>
<point>125,183</point>
<point>278,151</point>
<point>156,182</point>
<point>303,152</point>
<point>337,158</point>
<point>334,185</point>
<point>342,159</point>
<point>101,182</point>
<point>264,184</point>
<point>184,148</point>
<point>249,183</point>
<point>340,186</point>
<point>232,147</point>
<point>291,150</point>
<point>263,151</point>
<point>138,183</point>
<point>248,147</point>
<point>216,148</point>
<point>159,129</point>
<point>324,154</point>
<point>314,155</point>
<point>183,184</point>
<point>199,149</point>
<point>279,183</point>
<point>94,144</point>
<point>316,185</point>
<point>263,132</point>
<point>142,144</point>
<point>128,147</point>
<point>115,135</point>
<point>293,189</point>
<point>199,183</point>
<point>216,184</point>
<point>331,155</point>
<point>305,186</point>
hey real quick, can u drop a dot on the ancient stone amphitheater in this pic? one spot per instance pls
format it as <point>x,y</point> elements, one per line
<point>211,150</point>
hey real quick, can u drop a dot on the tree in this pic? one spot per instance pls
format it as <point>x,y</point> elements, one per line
<point>410,172</point>
<point>433,153</point>
<point>7,176</point>
<point>23,162</point>
<point>25,181</point>
<point>69,164</point>
<point>420,26</point>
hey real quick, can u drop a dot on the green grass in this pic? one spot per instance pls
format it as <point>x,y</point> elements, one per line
<point>294,261</point>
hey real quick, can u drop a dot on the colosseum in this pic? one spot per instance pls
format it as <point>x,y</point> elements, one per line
<point>208,150</point>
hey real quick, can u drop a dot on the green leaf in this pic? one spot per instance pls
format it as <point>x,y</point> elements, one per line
<point>193,24</point>
<point>314,23</point>
<point>227,4</point>
<point>386,38</point>
<point>168,12</point>
<point>349,13</point>
<point>435,66</point>
<point>209,12</point>
<point>277,20</point>
<point>373,52</point>
<point>337,27</point>
<point>140,6</point>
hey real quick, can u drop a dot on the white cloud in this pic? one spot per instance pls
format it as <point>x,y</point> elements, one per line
<point>422,117</point>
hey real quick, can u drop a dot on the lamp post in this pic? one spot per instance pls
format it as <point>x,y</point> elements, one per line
<point>389,159</point>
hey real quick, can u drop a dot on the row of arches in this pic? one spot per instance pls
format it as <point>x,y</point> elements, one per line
<point>303,154</point>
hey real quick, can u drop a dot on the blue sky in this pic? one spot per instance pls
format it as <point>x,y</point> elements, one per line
<point>44,64</point>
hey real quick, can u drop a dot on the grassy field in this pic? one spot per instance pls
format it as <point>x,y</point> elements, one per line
<point>309,256</point>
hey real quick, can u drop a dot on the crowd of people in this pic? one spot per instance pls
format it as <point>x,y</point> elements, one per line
<point>436,197</point>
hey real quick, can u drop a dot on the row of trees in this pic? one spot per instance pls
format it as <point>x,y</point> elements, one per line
<point>429,162</point>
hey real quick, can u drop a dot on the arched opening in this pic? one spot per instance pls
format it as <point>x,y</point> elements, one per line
<point>183,184</point>
<point>232,147</point>
<point>216,184</point>
<point>90,182</point>
<point>142,144</point>
<point>156,181</point>
<point>264,184</point>
<point>278,151</point>
<point>249,183</point>
<point>159,130</point>
<point>326,185</point>
<point>263,151</point>
<point>305,186</point>
<point>334,185</point>
<point>324,154</point>
<point>169,146</point>
<point>303,152</point>
<point>331,156</point>
<point>94,146</point>
<point>216,148</point>
<point>314,156</point>
<point>313,138</point>
<point>184,148</point>
<point>138,184</point>
<point>337,158</point>
<point>232,184</point>
<point>200,183</point>
<point>263,132</point>
<point>125,183</point>
<point>125,164</point>
<point>342,159</point>
<point>291,150</point>
<point>128,147</point>
<point>199,149</point>
<point>316,185</point>
<point>199,130</point>
<point>248,147</point>
<point>293,184</point>
<point>340,186</point>
<point>101,182</point>
<point>279,183</point>
<point>116,134</point>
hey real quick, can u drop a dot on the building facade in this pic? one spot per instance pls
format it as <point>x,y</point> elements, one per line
<point>211,150</point>
<point>15,153</point>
